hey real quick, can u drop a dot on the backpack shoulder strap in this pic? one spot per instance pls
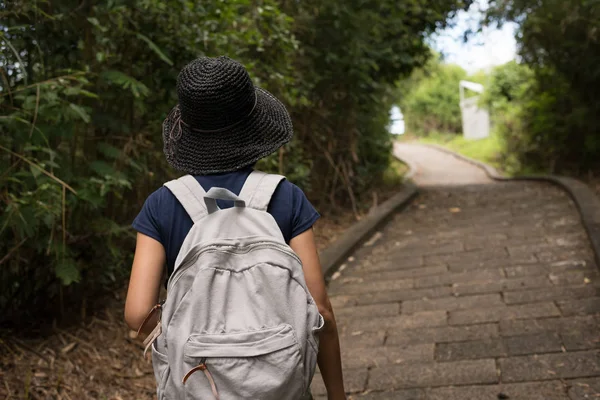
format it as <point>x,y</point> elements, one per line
<point>190,194</point>
<point>259,188</point>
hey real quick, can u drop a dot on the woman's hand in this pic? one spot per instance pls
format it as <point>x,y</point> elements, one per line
<point>329,358</point>
<point>144,284</point>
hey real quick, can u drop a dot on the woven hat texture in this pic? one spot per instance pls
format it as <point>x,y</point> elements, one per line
<point>222,122</point>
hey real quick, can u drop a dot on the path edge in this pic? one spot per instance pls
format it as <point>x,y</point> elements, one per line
<point>585,199</point>
<point>335,254</point>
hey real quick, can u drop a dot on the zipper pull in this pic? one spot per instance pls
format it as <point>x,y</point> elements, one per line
<point>202,367</point>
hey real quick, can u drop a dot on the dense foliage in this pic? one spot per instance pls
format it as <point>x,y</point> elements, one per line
<point>430,99</point>
<point>86,85</point>
<point>553,123</point>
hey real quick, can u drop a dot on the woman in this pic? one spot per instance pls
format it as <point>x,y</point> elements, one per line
<point>222,126</point>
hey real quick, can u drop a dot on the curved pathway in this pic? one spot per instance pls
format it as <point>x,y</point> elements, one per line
<point>478,290</point>
<point>435,168</point>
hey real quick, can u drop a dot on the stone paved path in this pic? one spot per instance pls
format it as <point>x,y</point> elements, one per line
<point>477,291</point>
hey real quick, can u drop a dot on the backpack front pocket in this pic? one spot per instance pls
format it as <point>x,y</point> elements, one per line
<point>263,364</point>
<point>160,365</point>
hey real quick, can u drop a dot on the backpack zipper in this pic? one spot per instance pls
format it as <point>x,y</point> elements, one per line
<point>216,247</point>
<point>204,368</point>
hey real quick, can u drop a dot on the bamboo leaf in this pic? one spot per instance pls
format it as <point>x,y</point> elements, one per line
<point>81,112</point>
<point>66,270</point>
<point>155,48</point>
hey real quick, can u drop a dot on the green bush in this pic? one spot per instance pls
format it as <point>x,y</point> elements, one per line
<point>86,86</point>
<point>553,121</point>
<point>430,102</point>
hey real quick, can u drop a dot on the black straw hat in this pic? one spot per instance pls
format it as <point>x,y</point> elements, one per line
<point>222,122</point>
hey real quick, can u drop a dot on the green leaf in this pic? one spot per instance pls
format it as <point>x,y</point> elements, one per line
<point>102,168</point>
<point>109,151</point>
<point>94,21</point>
<point>67,271</point>
<point>81,112</point>
<point>155,48</point>
<point>35,171</point>
<point>126,82</point>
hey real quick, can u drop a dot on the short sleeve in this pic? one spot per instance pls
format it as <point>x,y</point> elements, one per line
<point>146,221</point>
<point>304,214</point>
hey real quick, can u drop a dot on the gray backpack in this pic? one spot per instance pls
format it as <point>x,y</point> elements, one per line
<point>238,308</point>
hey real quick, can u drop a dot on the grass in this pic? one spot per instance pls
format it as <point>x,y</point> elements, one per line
<point>393,176</point>
<point>486,150</point>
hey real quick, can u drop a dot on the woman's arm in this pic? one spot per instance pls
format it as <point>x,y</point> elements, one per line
<point>329,358</point>
<point>144,284</point>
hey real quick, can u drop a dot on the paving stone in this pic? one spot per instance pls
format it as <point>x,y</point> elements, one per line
<point>568,265</point>
<point>467,257</point>
<point>372,286</point>
<point>388,355</point>
<point>477,243</point>
<point>550,366</point>
<point>431,374</point>
<point>524,311</point>
<point>519,271</point>
<point>355,380</point>
<point>357,339</point>
<point>407,394</point>
<point>403,273</point>
<point>564,255</point>
<point>488,348</point>
<point>401,295</point>
<point>502,284</point>
<point>452,303</point>
<point>395,264</point>
<point>457,266</point>
<point>374,310</point>
<point>571,239</point>
<point>553,390</point>
<point>339,301</point>
<point>552,293</point>
<point>558,325</point>
<point>416,320</point>
<point>529,249</point>
<point>590,305</point>
<point>429,250</point>
<point>581,339</point>
<point>584,389</point>
<point>450,278</point>
<point>572,278</point>
<point>442,334</point>
<point>533,344</point>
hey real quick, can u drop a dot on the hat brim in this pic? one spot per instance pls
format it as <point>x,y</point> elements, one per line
<point>264,131</point>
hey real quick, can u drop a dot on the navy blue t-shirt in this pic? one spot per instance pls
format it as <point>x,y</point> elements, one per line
<point>163,218</point>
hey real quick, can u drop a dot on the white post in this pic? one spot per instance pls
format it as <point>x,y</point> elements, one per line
<point>475,121</point>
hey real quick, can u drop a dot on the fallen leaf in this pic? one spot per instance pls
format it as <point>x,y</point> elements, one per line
<point>373,239</point>
<point>68,348</point>
<point>454,210</point>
